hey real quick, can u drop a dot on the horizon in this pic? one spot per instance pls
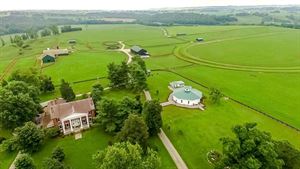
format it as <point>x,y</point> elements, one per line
<point>134,5</point>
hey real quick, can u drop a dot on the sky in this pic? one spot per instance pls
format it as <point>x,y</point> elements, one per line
<point>128,4</point>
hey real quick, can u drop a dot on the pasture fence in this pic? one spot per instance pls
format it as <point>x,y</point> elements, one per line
<point>230,98</point>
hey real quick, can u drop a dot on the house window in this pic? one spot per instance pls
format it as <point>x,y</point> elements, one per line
<point>67,125</point>
<point>83,120</point>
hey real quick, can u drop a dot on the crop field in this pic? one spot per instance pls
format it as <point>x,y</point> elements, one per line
<point>255,66</point>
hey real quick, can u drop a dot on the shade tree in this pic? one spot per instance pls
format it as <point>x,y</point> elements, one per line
<point>126,155</point>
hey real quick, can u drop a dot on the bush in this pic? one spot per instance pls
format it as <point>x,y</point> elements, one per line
<point>52,132</point>
<point>213,156</point>
<point>2,139</point>
<point>24,161</point>
<point>58,154</point>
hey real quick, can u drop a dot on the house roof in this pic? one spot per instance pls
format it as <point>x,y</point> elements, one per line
<point>44,55</point>
<point>61,109</point>
<point>136,48</point>
<point>56,51</point>
<point>187,93</point>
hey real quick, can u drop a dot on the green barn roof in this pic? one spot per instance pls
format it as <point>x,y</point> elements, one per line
<point>187,93</point>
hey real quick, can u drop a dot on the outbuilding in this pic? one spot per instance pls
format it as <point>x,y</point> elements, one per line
<point>48,58</point>
<point>187,96</point>
<point>199,39</point>
<point>176,84</point>
<point>139,51</point>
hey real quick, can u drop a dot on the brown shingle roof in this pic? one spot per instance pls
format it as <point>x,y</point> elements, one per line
<point>60,109</point>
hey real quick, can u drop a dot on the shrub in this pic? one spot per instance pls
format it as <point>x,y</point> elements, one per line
<point>58,154</point>
<point>52,132</point>
<point>2,139</point>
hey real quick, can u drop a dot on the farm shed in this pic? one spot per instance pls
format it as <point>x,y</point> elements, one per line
<point>177,84</point>
<point>187,96</point>
<point>199,39</point>
<point>139,51</point>
<point>56,52</point>
<point>72,41</point>
<point>47,58</point>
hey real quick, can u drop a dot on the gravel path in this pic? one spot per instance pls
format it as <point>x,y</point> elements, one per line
<point>126,51</point>
<point>168,144</point>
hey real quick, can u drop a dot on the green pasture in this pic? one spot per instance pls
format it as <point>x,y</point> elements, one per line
<point>273,93</point>
<point>280,49</point>
<point>195,132</point>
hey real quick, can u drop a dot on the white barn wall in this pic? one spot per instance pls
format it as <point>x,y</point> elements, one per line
<point>186,102</point>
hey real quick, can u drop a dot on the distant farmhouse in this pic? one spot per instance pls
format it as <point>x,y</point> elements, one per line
<point>185,95</point>
<point>69,116</point>
<point>199,39</point>
<point>50,55</point>
<point>139,51</point>
<point>72,41</point>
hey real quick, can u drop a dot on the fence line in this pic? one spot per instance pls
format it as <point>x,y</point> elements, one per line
<point>234,100</point>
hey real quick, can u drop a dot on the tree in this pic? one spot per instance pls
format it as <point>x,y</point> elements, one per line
<point>134,130</point>
<point>97,92</point>
<point>126,155</point>
<point>128,105</point>
<point>250,148</point>
<point>45,32</point>
<point>11,40</point>
<point>46,84</point>
<point>54,29</point>
<point>58,154</point>
<point>215,96</point>
<point>50,163</point>
<point>138,78</point>
<point>288,154</point>
<point>24,161</point>
<point>108,115</point>
<point>2,42</point>
<point>30,76</point>
<point>18,40</point>
<point>19,103</point>
<point>152,114</point>
<point>29,138</point>
<point>140,62</point>
<point>66,91</point>
<point>118,75</point>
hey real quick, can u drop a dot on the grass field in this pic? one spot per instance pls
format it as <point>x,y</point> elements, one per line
<point>256,65</point>
<point>203,129</point>
<point>92,140</point>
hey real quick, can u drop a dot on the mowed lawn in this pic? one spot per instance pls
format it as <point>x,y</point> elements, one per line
<point>195,132</point>
<point>274,93</point>
<point>82,66</point>
<point>281,49</point>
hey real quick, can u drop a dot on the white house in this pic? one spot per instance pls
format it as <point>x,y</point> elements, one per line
<point>69,116</point>
<point>187,96</point>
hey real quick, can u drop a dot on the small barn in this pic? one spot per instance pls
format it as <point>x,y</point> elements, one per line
<point>177,84</point>
<point>56,52</point>
<point>199,39</point>
<point>72,41</point>
<point>47,58</point>
<point>139,51</point>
